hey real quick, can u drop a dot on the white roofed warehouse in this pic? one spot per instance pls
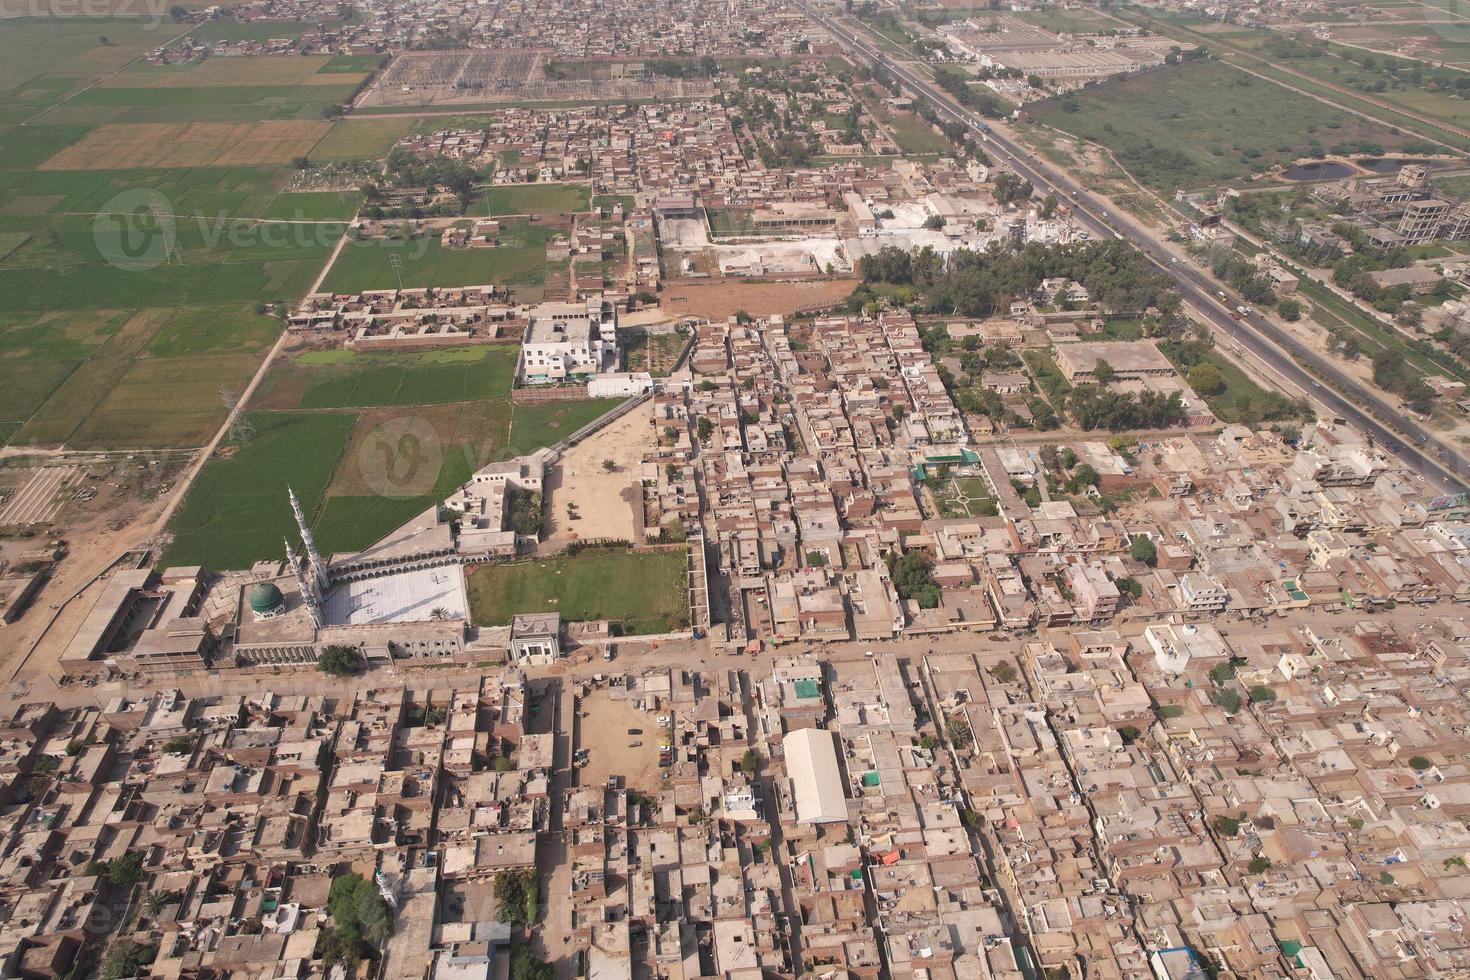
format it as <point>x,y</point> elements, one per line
<point>816,780</point>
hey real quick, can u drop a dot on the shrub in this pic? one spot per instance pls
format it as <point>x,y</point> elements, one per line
<point>1258,865</point>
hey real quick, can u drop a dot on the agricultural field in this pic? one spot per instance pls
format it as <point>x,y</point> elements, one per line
<point>143,146</point>
<point>236,512</point>
<point>111,379</point>
<point>43,61</point>
<point>534,199</point>
<point>418,424</point>
<point>314,206</point>
<point>122,261</point>
<point>637,591</point>
<point>347,379</point>
<point>1203,122</point>
<point>361,139</point>
<point>520,260</point>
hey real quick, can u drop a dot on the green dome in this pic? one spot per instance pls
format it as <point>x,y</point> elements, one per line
<point>264,597</point>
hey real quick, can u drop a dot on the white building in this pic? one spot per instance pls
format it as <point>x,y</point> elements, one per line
<point>1200,593</point>
<point>620,384</point>
<point>569,342</point>
<point>816,780</point>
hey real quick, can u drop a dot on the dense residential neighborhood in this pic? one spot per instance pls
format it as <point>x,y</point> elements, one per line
<point>824,489</point>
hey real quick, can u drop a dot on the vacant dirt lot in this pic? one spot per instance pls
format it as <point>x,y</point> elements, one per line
<point>608,505</point>
<point>604,734</point>
<point>138,146</point>
<point>718,300</point>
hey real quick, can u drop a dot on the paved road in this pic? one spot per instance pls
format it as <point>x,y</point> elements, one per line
<point>1441,465</point>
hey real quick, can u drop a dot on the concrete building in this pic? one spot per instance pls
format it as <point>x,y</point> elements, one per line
<point>1129,360</point>
<point>816,780</point>
<point>569,342</point>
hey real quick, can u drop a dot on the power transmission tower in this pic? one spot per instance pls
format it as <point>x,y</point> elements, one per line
<point>396,261</point>
<point>241,428</point>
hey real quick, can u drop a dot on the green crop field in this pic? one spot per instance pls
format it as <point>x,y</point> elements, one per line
<point>638,591</point>
<point>361,139</point>
<point>1201,122</point>
<point>106,263</point>
<point>112,380</point>
<point>425,262</point>
<point>315,206</point>
<point>344,379</point>
<point>533,199</point>
<point>236,513</point>
<point>421,422</point>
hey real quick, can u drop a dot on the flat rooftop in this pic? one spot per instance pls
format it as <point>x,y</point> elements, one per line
<point>398,597</point>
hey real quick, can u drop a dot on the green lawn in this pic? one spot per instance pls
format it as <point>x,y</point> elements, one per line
<point>1048,376</point>
<point>534,426</point>
<point>964,496</point>
<point>638,591</point>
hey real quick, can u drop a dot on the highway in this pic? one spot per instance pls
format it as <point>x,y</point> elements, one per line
<point>1441,465</point>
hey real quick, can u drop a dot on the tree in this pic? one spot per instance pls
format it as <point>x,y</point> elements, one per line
<point>1290,309</point>
<point>124,958</point>
<point>1003,672</point>
<point>910,576</point>
<point>355,903</point>
<point>1258,865</point>
<point>1103,371</point>
<point>957,730</point>
<point>1225,825</point>
<point>1226,699</point>
<point>1261,694</point>
<point>748,762</point>
<point>518,894</point>
<point>1419,763</point>
<point>153,903</point>
<point>301,162</point>
<point>120,872</point>
<point>609,466</point>
<point>526,965</point>
<point>1206,379</point>
<point>1142,549</point>
<point>179,745</point>
<point>338,660</point>
<point>934,222</point>
<point>526,512</point>
<point>705,428</point>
